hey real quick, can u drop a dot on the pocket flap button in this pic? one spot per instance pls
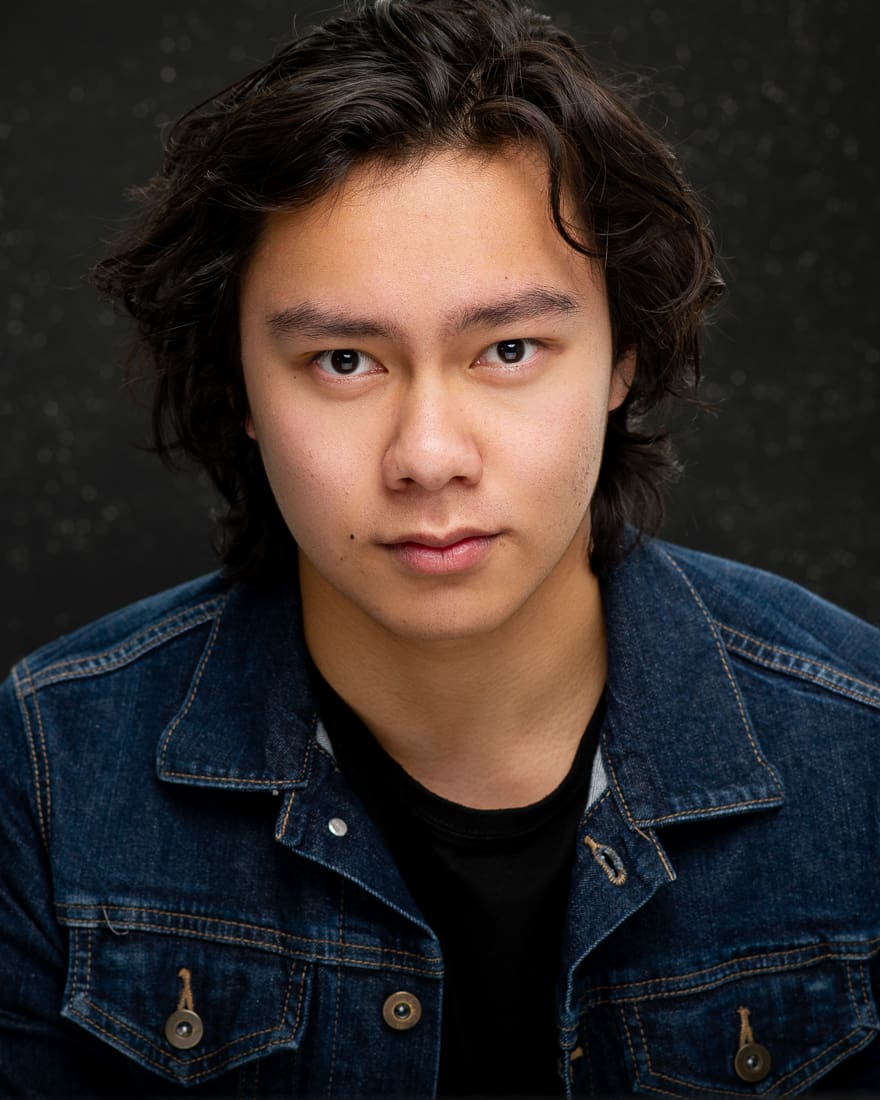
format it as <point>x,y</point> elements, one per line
<point>402,1011</point>
<point>183,1029</point>
<point>752,1062</point>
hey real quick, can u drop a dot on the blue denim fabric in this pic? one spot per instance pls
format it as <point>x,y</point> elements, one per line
<point>164,803</point>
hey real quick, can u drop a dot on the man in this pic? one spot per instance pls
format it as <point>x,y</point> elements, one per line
<point>453,782</point>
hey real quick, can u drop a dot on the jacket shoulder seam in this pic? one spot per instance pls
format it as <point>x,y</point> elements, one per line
<point>793,663</point>
<point>129,649</point>
<point>37,752</point>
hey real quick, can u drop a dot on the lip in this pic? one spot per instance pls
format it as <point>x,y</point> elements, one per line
<point>433,555</point>
<point>440,541</point>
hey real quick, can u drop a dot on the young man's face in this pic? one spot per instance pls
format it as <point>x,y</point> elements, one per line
<point>429,372</point>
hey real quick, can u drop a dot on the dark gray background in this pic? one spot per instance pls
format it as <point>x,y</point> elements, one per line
<point>772,105</point>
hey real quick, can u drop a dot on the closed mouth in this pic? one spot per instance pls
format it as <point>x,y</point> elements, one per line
<point>440,542</point>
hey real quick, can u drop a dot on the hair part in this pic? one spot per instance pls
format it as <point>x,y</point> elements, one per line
<point>391,81</point>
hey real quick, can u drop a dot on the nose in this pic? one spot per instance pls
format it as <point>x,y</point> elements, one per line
<point>432,441</point>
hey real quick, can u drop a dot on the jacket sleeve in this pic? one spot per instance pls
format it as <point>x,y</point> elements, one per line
<point>41,1054</point>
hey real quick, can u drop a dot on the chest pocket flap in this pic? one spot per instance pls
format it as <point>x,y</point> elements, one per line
<point>770,1025</point>
<point>184,1007</point>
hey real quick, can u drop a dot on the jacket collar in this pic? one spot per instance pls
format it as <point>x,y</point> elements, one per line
<point>678,741</point>
<point>250,718</point>
<point>677,745</point>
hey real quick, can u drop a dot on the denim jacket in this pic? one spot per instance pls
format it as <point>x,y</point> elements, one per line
<point>195,903</point>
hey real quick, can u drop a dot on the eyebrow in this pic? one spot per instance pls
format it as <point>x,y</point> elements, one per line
<point>314,322</point>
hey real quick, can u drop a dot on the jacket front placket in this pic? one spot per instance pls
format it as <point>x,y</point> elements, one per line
<point>677,746</point>
<point>384,980</point>
<point>251,724</point>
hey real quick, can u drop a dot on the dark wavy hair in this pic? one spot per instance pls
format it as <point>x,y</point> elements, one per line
<point>394,79</point>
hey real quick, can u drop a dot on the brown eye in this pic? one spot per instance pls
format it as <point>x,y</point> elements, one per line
<point>345,361</point>
<point>511,351</point>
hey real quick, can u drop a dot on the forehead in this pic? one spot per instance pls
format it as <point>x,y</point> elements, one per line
<point>437,229</point>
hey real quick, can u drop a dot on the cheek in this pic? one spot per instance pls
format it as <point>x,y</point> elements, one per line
<point>558,454</point>
<point>314,479</point>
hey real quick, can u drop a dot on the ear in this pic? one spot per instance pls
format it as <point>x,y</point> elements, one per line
<point>622,375</point>
<point>236,397</point>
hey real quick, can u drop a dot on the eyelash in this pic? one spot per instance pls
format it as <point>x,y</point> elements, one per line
<point>536,346</point>
<point>333,351</point>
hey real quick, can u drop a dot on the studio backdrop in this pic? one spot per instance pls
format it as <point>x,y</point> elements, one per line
<point>771,106</point>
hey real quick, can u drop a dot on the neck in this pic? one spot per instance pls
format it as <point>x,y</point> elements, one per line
<point>489,721</point>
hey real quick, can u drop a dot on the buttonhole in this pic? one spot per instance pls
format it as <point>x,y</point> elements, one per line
<point>608,860</point>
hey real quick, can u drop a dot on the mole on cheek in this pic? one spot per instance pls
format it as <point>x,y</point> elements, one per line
<point>351,537</point>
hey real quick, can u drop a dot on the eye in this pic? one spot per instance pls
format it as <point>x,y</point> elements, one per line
<point>510,352</point>
<point>345,362</point>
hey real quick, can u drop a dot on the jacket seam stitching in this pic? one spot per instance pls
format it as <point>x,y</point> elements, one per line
<point>735,975</point>
<point>315,956</point>
<point>731,973</point>
<point>129,649</point>
<point>592,809</point>
<point>74,978</point>
<point>234,924</point>
<point>216,1050</point>
<point>645,1047</point>
<point>165,1067</point>
<point>769,800</point>
<point>339,973</point>
<point>722,654</point>
<point>45,752</point>
<point>701,811</point>
<point>203,664</point>
<point>287,813</point>
<point>843,1041</point>
<point>88,983</point>
<point>852,997</point>
<point>719,646</point>
<point>687,1082</point>
<point>865,996</point>
<point>612,772</point>
<point>34,754</point>
<point>232,780</point>
<point>798,657</point>
<point>331,759</point>
<point>819,681</point>
<point>804,674</point>
<point>826,1068</point>
<point>629,1042</point>
<point>212,1069</point>
<point>661,855</point>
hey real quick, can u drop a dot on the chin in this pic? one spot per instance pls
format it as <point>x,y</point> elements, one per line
<point>429,622</point>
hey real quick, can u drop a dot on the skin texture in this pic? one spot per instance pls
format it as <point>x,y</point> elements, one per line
<point>437,478</point>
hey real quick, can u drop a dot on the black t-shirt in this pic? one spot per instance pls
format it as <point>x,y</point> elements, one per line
<point>493,884</point>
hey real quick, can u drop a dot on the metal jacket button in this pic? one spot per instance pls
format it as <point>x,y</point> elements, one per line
<point>183,1029</point>
<point>402,1011</point>
<point>752,1062</point>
